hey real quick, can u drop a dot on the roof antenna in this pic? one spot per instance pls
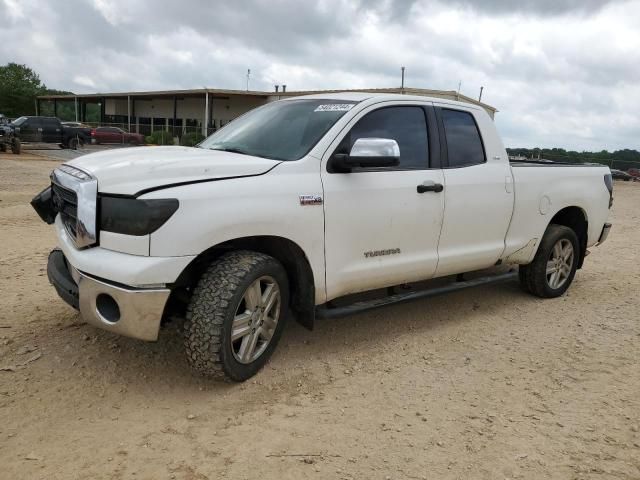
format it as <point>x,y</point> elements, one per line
<point>402,83</point>
<point>480,97</point>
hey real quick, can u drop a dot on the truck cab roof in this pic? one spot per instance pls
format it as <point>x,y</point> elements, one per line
<point>378,97</point>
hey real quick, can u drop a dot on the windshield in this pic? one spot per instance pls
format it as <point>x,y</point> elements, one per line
<point>281,130</point>
<point>19,121</point>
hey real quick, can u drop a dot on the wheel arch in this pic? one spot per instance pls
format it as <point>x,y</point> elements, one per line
<point>287,252</point>
<point>576,219</point>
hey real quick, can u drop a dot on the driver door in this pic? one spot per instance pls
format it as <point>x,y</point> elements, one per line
<point>31,130</point>
<point>380,228</point>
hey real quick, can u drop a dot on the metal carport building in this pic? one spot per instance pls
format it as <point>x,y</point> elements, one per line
<point>201,110</point>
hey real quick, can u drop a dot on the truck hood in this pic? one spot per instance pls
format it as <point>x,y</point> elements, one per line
<point>132,171</point>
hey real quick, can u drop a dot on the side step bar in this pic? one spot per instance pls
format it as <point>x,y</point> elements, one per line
<point>358,307</point>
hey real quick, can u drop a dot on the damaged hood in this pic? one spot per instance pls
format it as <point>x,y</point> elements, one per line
<point>129,171</point>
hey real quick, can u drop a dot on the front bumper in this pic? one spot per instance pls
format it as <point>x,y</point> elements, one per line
<point>128,311</point>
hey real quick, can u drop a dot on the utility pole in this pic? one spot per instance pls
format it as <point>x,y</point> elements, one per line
<point>248,76</point>
<point>402,82</point>
<point>480,97</point>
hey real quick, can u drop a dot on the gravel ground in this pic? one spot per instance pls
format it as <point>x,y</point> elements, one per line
<point>487,383</point>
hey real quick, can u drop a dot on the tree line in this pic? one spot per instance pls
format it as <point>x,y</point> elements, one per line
<point>19,87</point>
<point>620,159</point>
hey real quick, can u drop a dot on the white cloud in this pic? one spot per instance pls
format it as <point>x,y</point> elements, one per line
<point>84,81</point>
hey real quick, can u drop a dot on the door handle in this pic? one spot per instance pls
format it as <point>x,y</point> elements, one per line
<point>430,186</point>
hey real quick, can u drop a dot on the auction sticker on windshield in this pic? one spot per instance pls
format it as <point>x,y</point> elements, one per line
<point>334,107</point>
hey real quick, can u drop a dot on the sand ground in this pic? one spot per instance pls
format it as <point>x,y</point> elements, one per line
<point>487,383</point>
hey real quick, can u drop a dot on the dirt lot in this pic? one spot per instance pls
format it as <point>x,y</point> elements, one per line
<point>484,384</point>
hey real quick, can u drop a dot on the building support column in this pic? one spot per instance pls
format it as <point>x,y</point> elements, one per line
<point>102,110</point>
<point>75,105</point>
<point>205,124</point>
<point>37,107</point>
<point>175,115</point>
<point>55,107</point>
<point>134,115</point>
<point>128,113</point>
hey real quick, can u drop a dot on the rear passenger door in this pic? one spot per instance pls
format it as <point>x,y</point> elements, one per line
<point>51,130</point>
<point>478,191</point>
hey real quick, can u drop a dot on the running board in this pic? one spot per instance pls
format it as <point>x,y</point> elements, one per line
<point>358,307</point>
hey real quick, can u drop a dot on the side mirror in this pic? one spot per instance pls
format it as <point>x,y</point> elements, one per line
<point>369,153</point>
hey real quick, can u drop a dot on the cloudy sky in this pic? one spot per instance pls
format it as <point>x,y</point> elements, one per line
<point>562,73</point>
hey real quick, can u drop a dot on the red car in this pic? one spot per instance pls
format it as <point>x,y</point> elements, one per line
<point>115,135</point>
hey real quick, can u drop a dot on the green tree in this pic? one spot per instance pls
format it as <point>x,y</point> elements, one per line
<point>19,86</point>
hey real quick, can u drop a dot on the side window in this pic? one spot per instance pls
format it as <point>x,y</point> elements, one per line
<point>405,125</point>
<point>50,123</point>
<point>32,123</point>
<point>464,144</point>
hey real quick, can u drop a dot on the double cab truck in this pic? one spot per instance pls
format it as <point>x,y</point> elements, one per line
<point>307,207</point>
<point>50,130</point>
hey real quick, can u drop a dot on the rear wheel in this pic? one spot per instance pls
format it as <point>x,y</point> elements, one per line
<point>75,143</point>
<point>3,147</point>
<point>236,315</point>
<point>554,266</point>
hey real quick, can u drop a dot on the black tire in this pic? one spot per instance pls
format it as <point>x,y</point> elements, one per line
<point>216,300</point>
<point>75,143</point>
<point>16,146</point>
<point>534,278</point>
<point>3,147</point>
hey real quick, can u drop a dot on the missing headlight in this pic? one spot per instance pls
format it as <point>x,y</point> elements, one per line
<point>132,216</point>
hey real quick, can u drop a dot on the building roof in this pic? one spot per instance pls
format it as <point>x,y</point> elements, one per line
<point>449,94</point>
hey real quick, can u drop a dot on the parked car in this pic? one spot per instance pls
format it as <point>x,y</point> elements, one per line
<point>635,173</point>
<point>115,135</point>
<point>49,130</point>
<point>620,175</point>
<point>8,139</point>
<point>299,205</point>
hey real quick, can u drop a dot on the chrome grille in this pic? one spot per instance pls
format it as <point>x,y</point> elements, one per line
<point>75,195</point>
<point>66,202</point>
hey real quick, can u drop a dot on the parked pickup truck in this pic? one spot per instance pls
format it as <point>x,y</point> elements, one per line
<point>8,140</point>
<point>300,204</point>
<point>50,130</point>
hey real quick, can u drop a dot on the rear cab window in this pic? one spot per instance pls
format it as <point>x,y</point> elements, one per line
<point>463,139</point>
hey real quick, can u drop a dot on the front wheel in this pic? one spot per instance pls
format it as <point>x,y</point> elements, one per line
<point>554,266</point>
<point>16,146</point>
<point>236,315</point>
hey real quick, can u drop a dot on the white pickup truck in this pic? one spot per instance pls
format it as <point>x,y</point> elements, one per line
<point>300,204</point>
